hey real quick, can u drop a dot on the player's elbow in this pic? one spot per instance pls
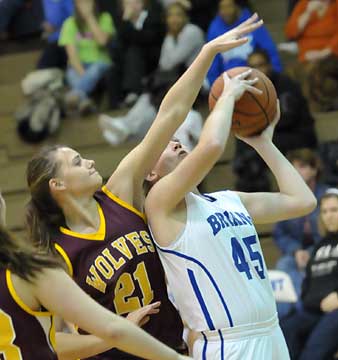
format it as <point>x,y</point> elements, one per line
<point>308,204</point>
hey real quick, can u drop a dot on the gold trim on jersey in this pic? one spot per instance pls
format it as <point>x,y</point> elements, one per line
<point>65,257</point>
<point>51,334</point>
<point>123,203</point>
<point>19,301</point>
<point>98,236</point>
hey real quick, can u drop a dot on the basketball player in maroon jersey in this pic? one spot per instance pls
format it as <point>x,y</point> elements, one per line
<point>27,331</point>
<point>101,232</point>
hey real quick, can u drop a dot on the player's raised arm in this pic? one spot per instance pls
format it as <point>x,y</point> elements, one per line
<point>66,299</point>
<point>294,198</point>
<point>174,108</point>
<point>173,176</point>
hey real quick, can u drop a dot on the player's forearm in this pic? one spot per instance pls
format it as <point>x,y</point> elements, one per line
<point>75,346</point>
<point>217,126</point>
<point>132,339</point>
<point>183,94</point>
<point>289,181</point>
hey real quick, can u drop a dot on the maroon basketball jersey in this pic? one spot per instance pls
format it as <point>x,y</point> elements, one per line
<point>119,267</point>
<point>24,334</point>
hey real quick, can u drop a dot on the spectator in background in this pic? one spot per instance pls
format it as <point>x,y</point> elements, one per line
<point>311,333</point>
<point>296,237</point>
<point>294,130</point>
<point>85,36</point>
<point>55,12</point>
<point>136,54</point>
<point>313,24</point>
<point>181,45</point>
<point>229,16</point>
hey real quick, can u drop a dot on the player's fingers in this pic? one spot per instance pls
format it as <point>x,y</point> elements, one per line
<point>253,90</point>
<point>144,320</point>
<point>236,42</point>
<point>251,81</point>
<point>251,19</point>
<point>153,311</point>
<point>243,75</point>
<point>155,304</point>
<point>250,28</point>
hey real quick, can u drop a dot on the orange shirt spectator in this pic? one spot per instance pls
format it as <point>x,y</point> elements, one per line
<point>313,24</point>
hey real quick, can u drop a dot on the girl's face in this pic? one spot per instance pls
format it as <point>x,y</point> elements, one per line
<point>329,213</point>
<point>176,19</point>
<point>170,158</point>
<point>76,175</point>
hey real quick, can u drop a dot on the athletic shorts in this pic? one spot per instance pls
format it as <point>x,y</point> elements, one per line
<point>260,341</point>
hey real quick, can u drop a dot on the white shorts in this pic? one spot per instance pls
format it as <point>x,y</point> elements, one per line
<point>262,341</point>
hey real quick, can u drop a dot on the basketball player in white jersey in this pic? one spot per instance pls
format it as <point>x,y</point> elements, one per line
<point>208,243</point>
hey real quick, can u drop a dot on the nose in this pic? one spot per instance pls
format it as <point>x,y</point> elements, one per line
<point>177,146</point>
<point>91,163</point>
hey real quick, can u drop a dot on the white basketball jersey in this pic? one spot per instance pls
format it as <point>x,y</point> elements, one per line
<point>215,269</point>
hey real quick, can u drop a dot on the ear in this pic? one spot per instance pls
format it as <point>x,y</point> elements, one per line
<point>56,184</point>
<point>152,177</point>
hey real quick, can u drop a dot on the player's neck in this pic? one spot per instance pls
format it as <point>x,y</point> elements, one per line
<point>81,214</point>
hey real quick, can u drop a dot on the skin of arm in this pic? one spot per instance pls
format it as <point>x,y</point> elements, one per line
<point>78,308</point>
<point>74,60</point>
<point>173,110</point>
<point>74,346</point>
<point>294,199</point>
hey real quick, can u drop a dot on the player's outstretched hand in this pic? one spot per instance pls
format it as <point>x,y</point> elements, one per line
<point>142,315</point>
<point>266,135</point>
<point>236,36</point>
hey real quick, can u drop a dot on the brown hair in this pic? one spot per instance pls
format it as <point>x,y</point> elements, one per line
<point>43,215</point>
<point>23,260</point>
<point>330,193</point>
<point>308,157</point>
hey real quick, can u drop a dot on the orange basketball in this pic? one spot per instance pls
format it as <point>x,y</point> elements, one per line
<point>252,113</point>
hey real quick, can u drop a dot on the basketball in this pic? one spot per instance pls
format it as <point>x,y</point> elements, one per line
<point>252,113</point>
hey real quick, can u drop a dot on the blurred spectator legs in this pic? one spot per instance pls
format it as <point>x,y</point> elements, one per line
<point>82,85</point>
<point>319,330</point>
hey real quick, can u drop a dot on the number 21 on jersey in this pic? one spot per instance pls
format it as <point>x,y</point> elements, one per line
<point>124,301</point>
<point>239,259</point>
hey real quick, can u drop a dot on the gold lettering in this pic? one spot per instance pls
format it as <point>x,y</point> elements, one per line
<point>135,240</point>
<point>95,280</point>
<point>104,267</point>
<point>115,263</point>
<point>147,239</point>
<point>121,246</point>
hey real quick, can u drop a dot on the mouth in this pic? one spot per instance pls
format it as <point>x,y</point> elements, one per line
<point>92,172</point>
<point>182,153</point>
